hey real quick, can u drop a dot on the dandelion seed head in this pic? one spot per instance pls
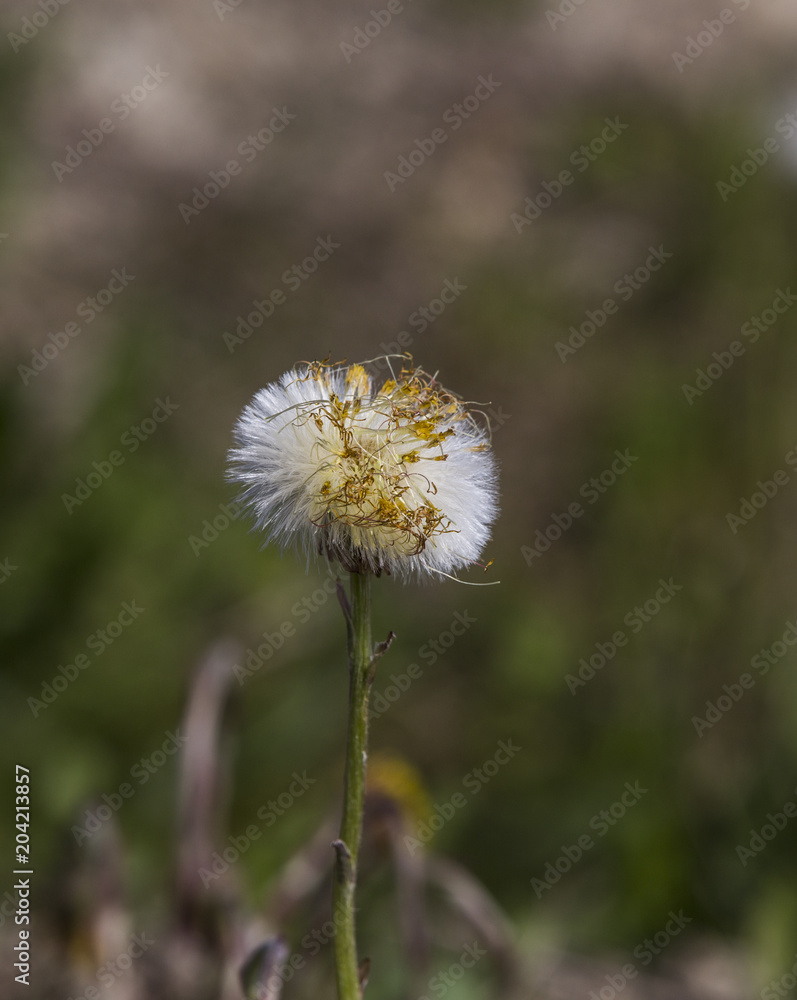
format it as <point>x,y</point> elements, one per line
<point>381,474</point>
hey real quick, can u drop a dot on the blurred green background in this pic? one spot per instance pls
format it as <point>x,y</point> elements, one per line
<point>208,78</point>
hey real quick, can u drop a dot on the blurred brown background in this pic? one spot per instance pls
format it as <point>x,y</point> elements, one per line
<point>169,165</point>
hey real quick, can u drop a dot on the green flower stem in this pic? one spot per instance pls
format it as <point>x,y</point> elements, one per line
<point>361,660</point>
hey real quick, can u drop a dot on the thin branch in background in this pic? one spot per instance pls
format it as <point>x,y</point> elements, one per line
<point>477,906</point>
<point>410,888</point>
<point>202,782</point>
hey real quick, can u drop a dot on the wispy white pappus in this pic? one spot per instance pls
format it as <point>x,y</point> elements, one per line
<point>388,475</point>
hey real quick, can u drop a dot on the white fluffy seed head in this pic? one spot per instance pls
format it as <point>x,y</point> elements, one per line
<point>388,475</point>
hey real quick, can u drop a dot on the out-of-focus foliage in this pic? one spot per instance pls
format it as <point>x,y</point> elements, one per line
<point>557,423</point>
